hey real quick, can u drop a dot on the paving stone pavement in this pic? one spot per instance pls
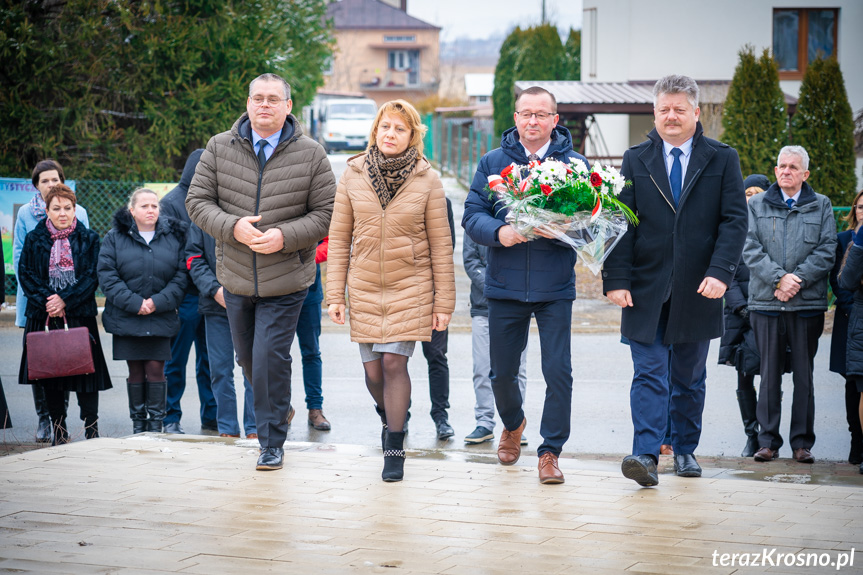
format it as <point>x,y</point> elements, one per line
<point>165,504</point>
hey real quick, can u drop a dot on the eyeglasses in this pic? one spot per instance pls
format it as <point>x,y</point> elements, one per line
<point>271,100</point>
<point>525,115</point>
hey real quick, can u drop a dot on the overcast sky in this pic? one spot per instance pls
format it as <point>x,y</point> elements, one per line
<point>484,18</point>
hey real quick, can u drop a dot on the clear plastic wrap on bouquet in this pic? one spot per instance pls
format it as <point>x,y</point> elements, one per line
<point>592,241</point>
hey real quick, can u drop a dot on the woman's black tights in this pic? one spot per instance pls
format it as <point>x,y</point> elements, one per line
<point>146,370</point>
<point>389,383</point>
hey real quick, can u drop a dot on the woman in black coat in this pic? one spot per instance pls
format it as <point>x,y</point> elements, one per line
<point>143,276</point>
<point>737,346</point>
<point>57,272</point>
<point>839,341</point>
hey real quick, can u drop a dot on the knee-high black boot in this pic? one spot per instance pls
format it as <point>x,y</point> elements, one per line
<point>852,416</point>
<point>43,432</point>
<point>137,405</point>
<point>394,456</point>
<point>747,400</point>
<point>157,396</point>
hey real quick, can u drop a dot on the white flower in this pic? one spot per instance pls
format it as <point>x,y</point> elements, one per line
<point>578,166</point>
<point>550,171</point>
<point>612,178</point>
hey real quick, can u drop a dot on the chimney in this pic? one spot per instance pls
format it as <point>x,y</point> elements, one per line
<point>404,6</point>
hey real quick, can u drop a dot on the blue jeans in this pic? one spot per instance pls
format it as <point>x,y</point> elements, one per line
<point>191,331</point>
<point>309,334</point>
<point>220,348</point>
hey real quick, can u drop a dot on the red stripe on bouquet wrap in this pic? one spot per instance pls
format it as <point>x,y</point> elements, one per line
<point>596,210</point>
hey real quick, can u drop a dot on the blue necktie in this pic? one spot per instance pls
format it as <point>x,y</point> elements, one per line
<point>262,157</point>
<point>676,176</point>
<point>790,202</point>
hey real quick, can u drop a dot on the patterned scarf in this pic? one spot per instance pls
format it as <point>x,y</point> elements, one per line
<point>61,268</point>
<point>388,174</point>
<point>37,207</point>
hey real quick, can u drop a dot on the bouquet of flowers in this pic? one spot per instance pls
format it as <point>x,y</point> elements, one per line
<point>576,205</point>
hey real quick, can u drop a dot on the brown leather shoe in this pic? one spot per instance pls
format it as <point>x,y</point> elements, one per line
<point>549,472</point>
<point>318,421</point>
<point>803,455</point>
<point>766,454</point>
<point>509,448</point>
<point>227,435</point>
<point>252,436</point>
<point>666,450</point>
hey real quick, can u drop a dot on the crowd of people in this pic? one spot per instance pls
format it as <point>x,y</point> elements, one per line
<point>229,261</point>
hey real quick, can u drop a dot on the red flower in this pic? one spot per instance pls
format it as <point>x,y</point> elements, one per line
<point>506,171</point>
<point>546,189</point>
<point>595,180</point>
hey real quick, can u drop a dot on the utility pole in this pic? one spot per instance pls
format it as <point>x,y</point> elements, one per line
<point>543,13</point>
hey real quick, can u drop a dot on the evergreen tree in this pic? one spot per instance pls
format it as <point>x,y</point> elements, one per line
<point>503,95</point>
<point>754,117</point>
<point>824,125</point>
<point>126,90</point>
<point>541,56</point>
<point>572,56</point>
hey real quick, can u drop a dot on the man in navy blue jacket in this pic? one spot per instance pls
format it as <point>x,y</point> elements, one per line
<point>523,278</point>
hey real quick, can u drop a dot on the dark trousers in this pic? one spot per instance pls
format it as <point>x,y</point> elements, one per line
<point>192,331</point>
<point>659,369</point>
<point>55,399</point>
<point>309,334</point>
<point>508,325</point>
<point>263,330</point>
<point>435,354</point>
<point>773,334</point>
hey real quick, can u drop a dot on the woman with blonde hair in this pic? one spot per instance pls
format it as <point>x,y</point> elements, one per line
<point>390,246</point>
<point>142,271</point>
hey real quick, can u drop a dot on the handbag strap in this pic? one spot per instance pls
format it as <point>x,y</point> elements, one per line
<point>65,323</point>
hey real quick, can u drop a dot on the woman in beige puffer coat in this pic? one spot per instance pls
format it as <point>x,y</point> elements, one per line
<point>390,245</point>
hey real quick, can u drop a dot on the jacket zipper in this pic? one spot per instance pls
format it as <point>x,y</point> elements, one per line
<point>670,205</point>
<point>383,275</point>
<point>257,208</point>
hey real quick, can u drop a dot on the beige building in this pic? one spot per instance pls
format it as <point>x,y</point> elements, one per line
<point>382,52</point>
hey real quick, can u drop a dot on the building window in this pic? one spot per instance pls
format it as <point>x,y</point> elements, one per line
<point>328,66</point>
<point>802,35</point>
<point>399,39</point>
<point>405,61</point>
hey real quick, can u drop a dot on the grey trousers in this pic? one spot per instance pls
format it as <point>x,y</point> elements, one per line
<point>484,409</point>
<point>263,329</point>
<point>772,335</point>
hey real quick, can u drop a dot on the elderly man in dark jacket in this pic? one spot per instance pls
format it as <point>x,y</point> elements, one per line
<point>524,278</point>
<point>191,325</point>
<point>670,272</point>
<point>265,192</point>
<point>790,250</point>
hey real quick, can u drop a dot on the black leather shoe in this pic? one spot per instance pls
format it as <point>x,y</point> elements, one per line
<point>641,469</point>
<point>270,459</point>
<point>444,429</point>
<point>686,466</point>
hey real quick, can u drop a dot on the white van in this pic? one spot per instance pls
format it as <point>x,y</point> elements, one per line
<point>345,123</point>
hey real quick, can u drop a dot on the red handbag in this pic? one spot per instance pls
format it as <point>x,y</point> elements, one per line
<point>59,352</point>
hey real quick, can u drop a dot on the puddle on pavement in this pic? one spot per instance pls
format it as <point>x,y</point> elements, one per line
<point>814,478</point>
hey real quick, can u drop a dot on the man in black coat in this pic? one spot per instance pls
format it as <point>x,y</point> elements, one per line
<point>191,326</point>
<point>670,272</point>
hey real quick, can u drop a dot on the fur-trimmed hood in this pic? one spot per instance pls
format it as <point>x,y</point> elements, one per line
<point>124,223</point>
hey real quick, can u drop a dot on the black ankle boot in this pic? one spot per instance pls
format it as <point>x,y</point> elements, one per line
<point>91,429</point>
<point>394,456</point>
<point>61,434</point>
<point>137,405</point>
<point>157,396</point>
<point>855,455</point>
<point>746,398</point>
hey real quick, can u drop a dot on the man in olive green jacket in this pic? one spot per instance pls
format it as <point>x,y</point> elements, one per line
<point>265,192</point>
